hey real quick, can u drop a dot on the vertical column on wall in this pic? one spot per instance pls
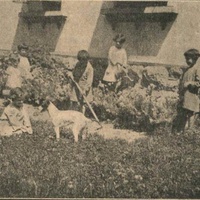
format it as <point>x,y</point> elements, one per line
<point>8,22</point>
<point>79,26</point>
<point>185,33</point>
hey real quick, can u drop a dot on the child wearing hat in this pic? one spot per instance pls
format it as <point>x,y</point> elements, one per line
<point>188,93</point>
<point>15,118</point>
<point>117,59</point>
<point>24,65</point>
<point>82,74</point>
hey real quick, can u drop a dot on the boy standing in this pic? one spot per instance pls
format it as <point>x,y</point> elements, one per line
<point>188,93</point>
<point>83,75</point>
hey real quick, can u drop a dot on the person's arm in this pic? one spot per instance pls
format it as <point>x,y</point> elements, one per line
<point>8,71</point>
<point>193,84</point>
<point>111,56</point>
<point>4,116</point>
<point>89,80</point>
<point>124,60</point>
<point>27,122</point>
<point>90,76</point>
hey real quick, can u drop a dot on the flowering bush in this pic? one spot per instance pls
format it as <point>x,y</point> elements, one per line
<point>49,77</point>
<point>136,108</point>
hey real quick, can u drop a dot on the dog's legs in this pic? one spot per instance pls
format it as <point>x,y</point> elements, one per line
<point>84,133</point>
<point>57,130</point>
<point>76,132</point>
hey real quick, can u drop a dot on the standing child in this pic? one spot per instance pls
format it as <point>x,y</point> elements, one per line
<point>13,73</point>
<point>15,118</point>
<point>117,58</point>
<point>188,93</point>
<point>24,65</point>
<point>83,75</point>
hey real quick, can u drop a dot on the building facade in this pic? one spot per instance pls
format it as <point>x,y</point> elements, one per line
<point>156,31</point>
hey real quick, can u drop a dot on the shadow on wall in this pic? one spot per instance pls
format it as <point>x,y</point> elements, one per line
<point>145,32</point>
<point>145,40</point>
<point>37,32</point>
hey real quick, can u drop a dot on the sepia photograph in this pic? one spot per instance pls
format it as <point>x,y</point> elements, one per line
<point>99,99</point>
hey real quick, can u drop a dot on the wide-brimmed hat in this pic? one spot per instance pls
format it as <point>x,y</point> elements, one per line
<point>192,52</point>
<point>119,38</point>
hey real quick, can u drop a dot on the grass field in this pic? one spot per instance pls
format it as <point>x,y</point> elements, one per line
<point>159,166</point>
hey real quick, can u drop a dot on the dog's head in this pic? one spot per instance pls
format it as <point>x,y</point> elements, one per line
<point>93,126</point>
<point>44,103</point>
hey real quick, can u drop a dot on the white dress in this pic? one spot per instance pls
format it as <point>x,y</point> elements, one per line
<point>15,121</point>
<point>24,67</point>
<point>115,56</point>
<point>14,77</point>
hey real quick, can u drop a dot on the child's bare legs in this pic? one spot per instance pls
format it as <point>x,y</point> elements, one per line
<point>83,109</point>
<point>191,119</point>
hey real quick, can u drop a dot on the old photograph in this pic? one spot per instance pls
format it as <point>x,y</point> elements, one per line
<point>99,99</point>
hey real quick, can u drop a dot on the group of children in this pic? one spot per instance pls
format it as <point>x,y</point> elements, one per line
<point>15,119</point>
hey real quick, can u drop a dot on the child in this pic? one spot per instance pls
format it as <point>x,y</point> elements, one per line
<point>15,119</point>
<point>188,93</point>
<point>117,58</point>
<point>13,73</point>
<point>24,65</point>
<point>83,75</point>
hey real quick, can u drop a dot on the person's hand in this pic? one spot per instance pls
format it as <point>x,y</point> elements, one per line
<point>70,75</point>
<point>189,84</point>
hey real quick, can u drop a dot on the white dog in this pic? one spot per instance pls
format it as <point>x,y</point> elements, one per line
<point>76,121</point>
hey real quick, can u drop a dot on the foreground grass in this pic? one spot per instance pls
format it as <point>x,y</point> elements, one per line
<point>161,166</point>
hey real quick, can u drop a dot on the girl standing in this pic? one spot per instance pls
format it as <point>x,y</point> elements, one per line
<point>117,59</point>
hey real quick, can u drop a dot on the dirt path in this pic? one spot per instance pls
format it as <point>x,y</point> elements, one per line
<point>108,132</point>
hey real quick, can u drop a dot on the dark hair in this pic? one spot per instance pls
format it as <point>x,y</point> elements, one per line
<point>16,93</point>
<point>83,55</point>
<point>192,53</point>
<point>119,38</point>
<point>13,57</point>
<point>22,46</point>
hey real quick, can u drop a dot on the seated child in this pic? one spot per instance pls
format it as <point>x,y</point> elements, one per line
<point>15,118</point>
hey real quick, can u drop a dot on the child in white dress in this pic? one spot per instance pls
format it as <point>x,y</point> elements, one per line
<point>117,58</point>
<point>24,65</point>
